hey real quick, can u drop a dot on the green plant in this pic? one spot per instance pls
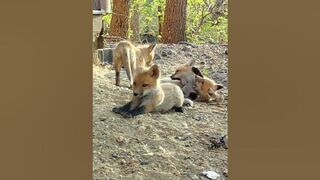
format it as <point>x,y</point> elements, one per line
<point>202,24</point>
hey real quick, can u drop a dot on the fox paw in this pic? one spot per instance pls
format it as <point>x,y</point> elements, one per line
<point>187,102</point>
<point>116,110</point>
<point>127,115</point>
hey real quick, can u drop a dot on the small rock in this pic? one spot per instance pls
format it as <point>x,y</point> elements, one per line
<point>144,162</point>
<point>225,174</point>
<point>211,174</point>
<point>184,125</point>
<point>164,54</point>
<point>122,162</point>
<point>102,119</point>
<point>132,162</point>
<point>171,52</point>
<point>197,117</point>
<point>121,140</point>
<point>218,142</point>
<point>224,141</point>
<point>114,155</point>
<point>102,160</point>
<point>188,54</point>
<point>178,137</point>
<point>194,177</point>
<point>157,56</point>
<point>139,121</point>
<point>177,173</point>
<point>186,48</point>
<point>142,129</point>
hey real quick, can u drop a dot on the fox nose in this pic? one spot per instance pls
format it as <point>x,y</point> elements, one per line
<point>172,76</point>
<point>135,94</point>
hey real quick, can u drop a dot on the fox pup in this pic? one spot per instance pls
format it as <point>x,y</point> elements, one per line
<point>131,57</point>
<point>207,90</point>
<point>186,75</point>
<point>151,96</point>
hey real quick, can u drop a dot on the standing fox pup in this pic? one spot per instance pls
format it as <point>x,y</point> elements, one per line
<point>207,90</point>
<point>151,96</point>
<point>131,58</point>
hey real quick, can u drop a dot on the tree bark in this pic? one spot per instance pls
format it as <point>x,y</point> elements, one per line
<point>120,18</point>
<point>160,19</point>
<point>174,25</point>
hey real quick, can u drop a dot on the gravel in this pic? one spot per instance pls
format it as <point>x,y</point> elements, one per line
<point>163,146</point>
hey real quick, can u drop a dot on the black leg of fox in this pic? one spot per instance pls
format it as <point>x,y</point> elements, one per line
<point>123,109</point>
<point>135,112</point>
<point>117,78</point>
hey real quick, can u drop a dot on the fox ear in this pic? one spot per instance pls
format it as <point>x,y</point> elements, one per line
<point>152,47</point>
<point>196,71</point>
<point>211,91</point>
<point>219,86</point>
<point>199,79</point>
<point>191,62</point>
<point>154,71</point>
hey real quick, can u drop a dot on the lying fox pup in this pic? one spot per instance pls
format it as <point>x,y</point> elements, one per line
<point>131,58</point>
<point>194,85</point>
<point>207,90</point>
<point>185,75</point>
<point>151,96</point>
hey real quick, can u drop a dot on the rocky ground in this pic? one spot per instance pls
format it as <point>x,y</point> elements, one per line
<point>160,146</point>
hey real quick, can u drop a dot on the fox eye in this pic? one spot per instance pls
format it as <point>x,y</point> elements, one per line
<point>210,94</point>
<point>177,71</point>
<point>145,85</point>
<point>134,83</point>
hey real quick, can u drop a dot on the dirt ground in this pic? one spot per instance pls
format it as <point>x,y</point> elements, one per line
<point>160,146</point>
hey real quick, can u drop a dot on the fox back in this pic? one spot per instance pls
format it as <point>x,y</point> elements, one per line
<point>145,54</point>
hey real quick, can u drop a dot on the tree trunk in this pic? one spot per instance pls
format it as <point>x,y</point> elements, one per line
<point>174,24</point>
<point>160,19</point>
<point>120,18</point>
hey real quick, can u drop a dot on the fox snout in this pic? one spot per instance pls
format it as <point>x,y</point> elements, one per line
<point>173,77</point>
